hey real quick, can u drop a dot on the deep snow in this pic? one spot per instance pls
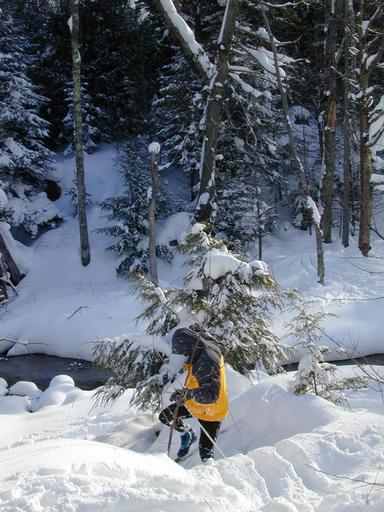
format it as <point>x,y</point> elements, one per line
<point>76,457</point>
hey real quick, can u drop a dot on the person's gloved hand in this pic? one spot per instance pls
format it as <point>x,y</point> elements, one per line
<point>180,395</point>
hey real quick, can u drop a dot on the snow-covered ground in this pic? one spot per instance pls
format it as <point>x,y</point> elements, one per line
<point>63,307</point>
<point>352,293</point>
<point>283,454</point>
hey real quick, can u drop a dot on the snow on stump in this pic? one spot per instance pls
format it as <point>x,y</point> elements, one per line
<point>25,388</point>
<point>154,148</point>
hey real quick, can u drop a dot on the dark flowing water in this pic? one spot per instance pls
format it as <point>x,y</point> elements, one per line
<point>40,369</point>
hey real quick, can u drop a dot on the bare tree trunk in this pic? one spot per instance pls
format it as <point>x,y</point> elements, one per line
<point>78,132</point>
<point>154,191</point>
<point>365,174</point>
<point>259,230</point>
<point>205,210</point>
<point>347,179</point>
<point>292,145</point>
<point>329,118</point>
<point>371,50</point>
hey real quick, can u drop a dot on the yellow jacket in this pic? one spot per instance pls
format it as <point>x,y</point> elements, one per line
<point>215,411</point>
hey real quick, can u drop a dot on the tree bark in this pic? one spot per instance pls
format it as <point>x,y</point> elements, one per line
<point>78,132</point>
<point>206,205</point>
<point>347,178</point>
<point>329,118</point>
<point>365,171</point>
<point>152,219</point>
<point>371,50</point>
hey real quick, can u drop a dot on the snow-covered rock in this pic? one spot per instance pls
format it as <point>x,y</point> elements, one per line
<point>60,380</point>
<point>25,388</point>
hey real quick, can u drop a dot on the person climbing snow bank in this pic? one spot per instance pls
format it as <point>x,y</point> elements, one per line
<point>204,395</point>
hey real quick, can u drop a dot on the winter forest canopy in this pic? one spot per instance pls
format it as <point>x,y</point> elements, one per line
<point>270,112</point>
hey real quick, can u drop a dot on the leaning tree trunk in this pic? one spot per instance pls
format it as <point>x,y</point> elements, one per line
<point>292,146</point>
<point>78,132</point>
<point>206,207</point>
<point>153,194</point>
<point>329,146</point>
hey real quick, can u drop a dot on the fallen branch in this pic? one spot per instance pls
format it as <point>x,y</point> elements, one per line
<point>343,477</point>
<point>76,311</point>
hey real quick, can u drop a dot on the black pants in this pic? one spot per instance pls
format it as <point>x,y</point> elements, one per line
<point>211,428</point>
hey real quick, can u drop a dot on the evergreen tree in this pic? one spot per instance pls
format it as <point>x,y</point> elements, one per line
<point>314,375</point>
<point>25,161</point>
<point>231,298</point>
<point>128,213</point>
<point>24,155</point>
<point>227,298</point>
<point>92,117</point>
<point>134,365</point>
<point>176,114</point>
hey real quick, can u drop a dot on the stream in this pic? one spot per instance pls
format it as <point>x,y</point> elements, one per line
<point>40,369</point>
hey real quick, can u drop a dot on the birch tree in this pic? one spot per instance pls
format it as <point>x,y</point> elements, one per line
<point>73,24</point>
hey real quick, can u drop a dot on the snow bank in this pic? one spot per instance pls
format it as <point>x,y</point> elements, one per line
<point>274,442</point>
<point>174,227</point>
<point>352,292</point>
